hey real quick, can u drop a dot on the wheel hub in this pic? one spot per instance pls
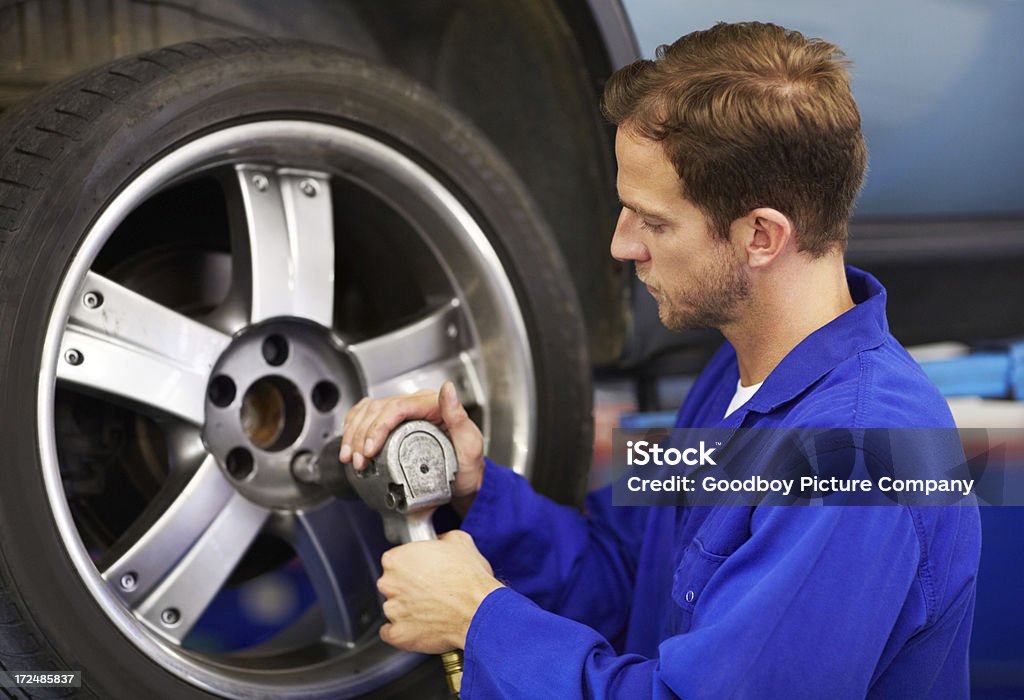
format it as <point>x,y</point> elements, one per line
<point>276,395</point>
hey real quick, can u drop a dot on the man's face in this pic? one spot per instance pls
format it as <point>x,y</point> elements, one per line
<point>698,280</point>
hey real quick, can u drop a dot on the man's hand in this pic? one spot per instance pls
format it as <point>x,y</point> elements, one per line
<point>370,421</point>
<point>433,589</point>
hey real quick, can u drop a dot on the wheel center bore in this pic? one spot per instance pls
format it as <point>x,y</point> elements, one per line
<point>279,391</point>
<point>273,413</point>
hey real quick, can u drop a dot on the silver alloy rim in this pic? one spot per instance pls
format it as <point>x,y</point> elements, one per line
<point>136,349</point>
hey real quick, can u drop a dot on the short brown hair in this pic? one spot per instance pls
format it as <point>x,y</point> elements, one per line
<point>752,115</point>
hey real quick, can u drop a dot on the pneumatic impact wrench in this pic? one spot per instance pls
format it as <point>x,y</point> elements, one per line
<point>406,482</point>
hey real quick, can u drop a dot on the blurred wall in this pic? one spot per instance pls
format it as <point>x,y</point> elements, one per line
<point>940,84</point>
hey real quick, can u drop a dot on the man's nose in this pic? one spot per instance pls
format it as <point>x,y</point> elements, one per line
<point>626,243</point>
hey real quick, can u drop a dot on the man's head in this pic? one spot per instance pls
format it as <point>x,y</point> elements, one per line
<point>751,115</point>
<point>697,278</point>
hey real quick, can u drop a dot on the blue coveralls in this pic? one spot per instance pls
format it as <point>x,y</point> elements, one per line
<point>738,602</point>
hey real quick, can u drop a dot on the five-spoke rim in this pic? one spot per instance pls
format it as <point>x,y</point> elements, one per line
<point>105,339</point>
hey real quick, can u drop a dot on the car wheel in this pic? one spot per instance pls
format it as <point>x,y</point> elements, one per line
<point>208,253</point>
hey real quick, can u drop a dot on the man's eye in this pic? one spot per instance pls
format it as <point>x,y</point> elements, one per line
<point>648,226</point>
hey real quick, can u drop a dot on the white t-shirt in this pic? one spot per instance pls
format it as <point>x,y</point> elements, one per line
<point>742,395</point>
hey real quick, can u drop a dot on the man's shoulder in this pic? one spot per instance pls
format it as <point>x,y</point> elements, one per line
<point>881,386</point>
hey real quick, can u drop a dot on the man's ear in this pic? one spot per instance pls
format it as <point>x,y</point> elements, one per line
<point>764,234</point>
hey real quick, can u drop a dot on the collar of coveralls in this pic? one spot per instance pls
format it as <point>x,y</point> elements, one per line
<point>861,328</point>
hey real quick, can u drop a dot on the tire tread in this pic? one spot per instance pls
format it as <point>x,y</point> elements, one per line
<point>21,652</point>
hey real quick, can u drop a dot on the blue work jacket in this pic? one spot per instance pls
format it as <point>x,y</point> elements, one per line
<point>737,601</point>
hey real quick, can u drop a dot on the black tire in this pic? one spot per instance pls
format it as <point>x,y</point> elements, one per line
<point>75,149</point>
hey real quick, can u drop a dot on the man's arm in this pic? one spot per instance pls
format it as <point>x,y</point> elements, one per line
<point>802,609</point>
<point>581,566</point>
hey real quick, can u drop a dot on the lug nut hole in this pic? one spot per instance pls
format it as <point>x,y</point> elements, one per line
<point>239,463</point>
<point>325,396</point>
<point>275,350</point>
<point>222,391</point>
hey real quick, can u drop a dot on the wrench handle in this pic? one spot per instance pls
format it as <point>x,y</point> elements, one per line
<point>416,527</point>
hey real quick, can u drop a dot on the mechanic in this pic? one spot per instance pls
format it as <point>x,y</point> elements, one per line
<point>739,158</point>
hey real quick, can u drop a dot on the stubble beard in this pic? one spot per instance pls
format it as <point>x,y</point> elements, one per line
<point>712,300</point>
